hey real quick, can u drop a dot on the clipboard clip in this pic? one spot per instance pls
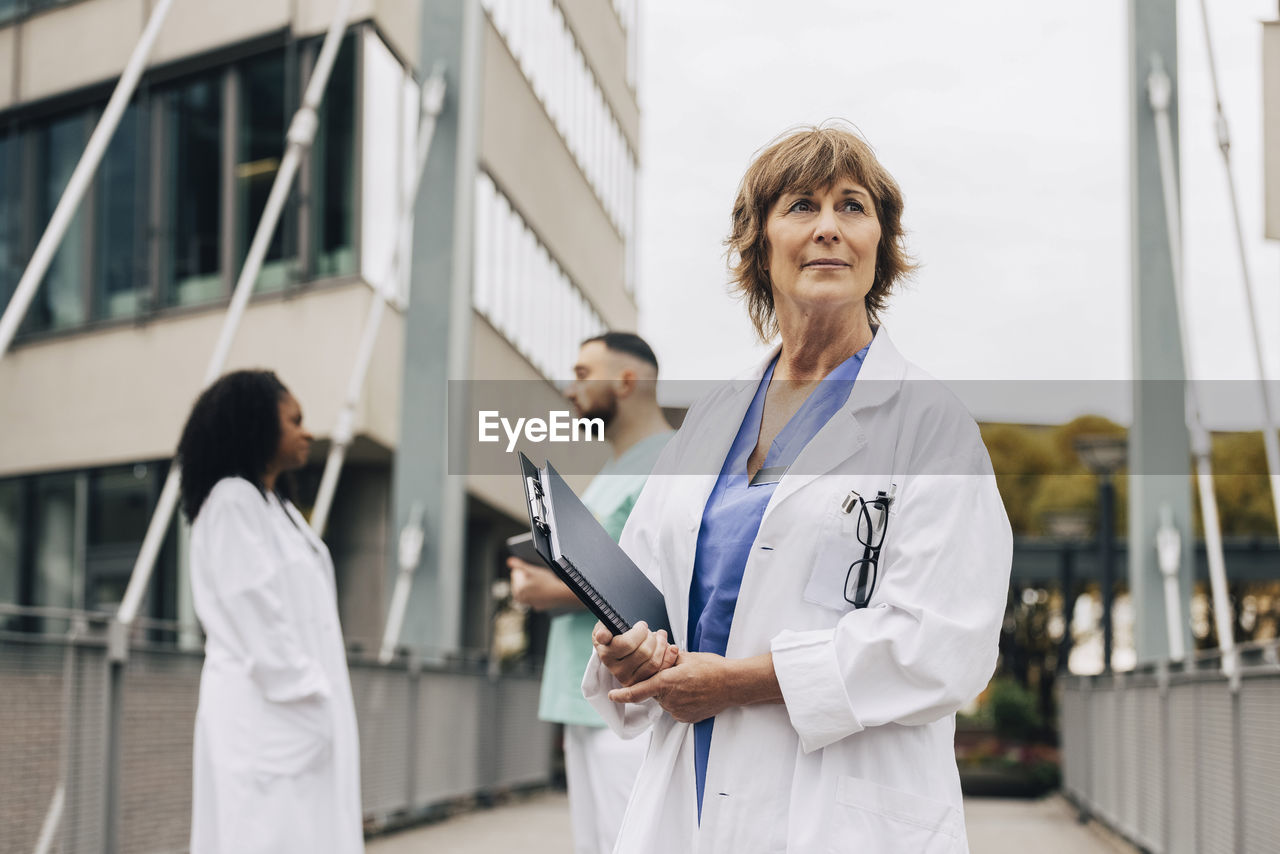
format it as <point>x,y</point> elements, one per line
<point>536,511</point>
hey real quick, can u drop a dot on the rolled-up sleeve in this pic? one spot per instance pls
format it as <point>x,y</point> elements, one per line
<point>928,643</point>
<point>626,719</point>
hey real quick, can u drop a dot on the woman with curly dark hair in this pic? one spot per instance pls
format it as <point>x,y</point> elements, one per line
<point>276,765</point>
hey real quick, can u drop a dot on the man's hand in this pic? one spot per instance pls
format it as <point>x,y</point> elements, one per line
<point>702,685</point>
<point>635,655</point>
<point>539,588</point>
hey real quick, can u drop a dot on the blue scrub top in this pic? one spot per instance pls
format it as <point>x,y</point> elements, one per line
<point>732,518</point>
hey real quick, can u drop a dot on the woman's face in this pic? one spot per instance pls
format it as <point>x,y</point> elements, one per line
<point>822,249</point>
<point>295,440</point>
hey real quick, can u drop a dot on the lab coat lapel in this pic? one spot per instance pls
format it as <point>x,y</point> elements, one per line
<point>317,544</point>
<point>706,457</point>
<point>843,437</point>
<point>720,428</point>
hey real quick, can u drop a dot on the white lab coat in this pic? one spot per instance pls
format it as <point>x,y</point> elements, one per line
<point>860,757</point>
<point>276,766</point>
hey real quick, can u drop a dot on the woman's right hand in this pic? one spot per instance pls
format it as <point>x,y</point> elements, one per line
<point>635,655</point>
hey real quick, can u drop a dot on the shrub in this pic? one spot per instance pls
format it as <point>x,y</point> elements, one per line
<point>1013,710</point>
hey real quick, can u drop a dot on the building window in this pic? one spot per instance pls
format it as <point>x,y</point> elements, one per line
<point>54,546</point>
<point>120,278</point>
<point>260,145</point>
<point>548,54</point>
<point>121,500</point>
<point>70,540</point>
<point>10,541</point>
<point>191,114</point>
<point>333,170</point>
<point>521,289</point>
<point>60,301</point>
<point>12,257</point>
<point>178,196</point>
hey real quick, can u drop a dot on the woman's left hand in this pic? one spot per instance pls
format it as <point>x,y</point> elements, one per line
<point>701,685</point>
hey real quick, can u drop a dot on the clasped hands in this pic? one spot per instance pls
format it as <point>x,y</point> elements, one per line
<point>689,686</point>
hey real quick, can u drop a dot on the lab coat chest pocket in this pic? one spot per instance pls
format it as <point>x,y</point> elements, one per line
<point>838,548</point>
<point>885,819</point>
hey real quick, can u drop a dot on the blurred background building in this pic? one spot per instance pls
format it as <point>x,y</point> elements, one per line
<point>534,165</point>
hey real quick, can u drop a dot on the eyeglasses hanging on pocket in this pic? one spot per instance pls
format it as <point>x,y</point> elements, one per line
<point>873,521</point>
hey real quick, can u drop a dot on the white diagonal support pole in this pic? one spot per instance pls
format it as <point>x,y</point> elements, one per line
<point>301,133</point>
<point>80,179</point>
<point>384,292</point>
<point>1269,440</point>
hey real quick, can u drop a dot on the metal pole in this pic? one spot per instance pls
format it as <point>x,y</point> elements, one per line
<point>1159,437</point>
<point>299,138</point>
<point>1269,440</point>
<point>1106,535</point>
<point>80,178</point>
<point>343,431</point>
<point>1159,90</point>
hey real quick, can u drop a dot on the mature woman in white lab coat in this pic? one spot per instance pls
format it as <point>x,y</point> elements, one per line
<point>276,766</point>
<point>833,551</point>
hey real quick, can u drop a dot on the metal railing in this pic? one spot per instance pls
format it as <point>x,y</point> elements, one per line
<point>430,736</point>
<point>1179,758</point>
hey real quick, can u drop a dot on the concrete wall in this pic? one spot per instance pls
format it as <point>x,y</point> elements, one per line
<point>122,394</point>
<point>604,43</point>
<point>1271,125</point>
<point>358,537</point>
<point>497,363</point>
<point>101,34</point>
<point>536,171</point>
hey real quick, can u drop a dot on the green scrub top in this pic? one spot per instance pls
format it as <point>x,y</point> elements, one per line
<point>609,497</point>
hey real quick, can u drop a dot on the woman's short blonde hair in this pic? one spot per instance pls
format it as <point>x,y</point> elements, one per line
<point>809,159</point>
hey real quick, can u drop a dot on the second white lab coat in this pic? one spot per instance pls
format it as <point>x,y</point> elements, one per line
<point>276,764</point>
<point>860,757</point>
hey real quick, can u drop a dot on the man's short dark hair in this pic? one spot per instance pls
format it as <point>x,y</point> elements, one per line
<point>629,343</point>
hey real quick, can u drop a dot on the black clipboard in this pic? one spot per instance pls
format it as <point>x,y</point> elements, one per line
<point>583,555</point>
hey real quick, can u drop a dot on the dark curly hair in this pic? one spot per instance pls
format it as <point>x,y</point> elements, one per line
<point>233,431</point>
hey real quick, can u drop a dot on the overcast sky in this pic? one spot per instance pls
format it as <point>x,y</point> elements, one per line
<point>1006,124</point>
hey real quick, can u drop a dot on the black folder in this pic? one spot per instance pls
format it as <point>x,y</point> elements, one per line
<point>580,551</point>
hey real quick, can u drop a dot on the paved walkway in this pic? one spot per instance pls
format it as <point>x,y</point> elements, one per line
<point>539,824</point>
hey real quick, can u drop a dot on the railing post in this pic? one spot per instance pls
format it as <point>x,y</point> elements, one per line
<point>1166,737</point>
<point>1086,755</point>
<point>1237,756</point>
<point>414,675</point>
<point>1195,741</point>
<point>117,659</point>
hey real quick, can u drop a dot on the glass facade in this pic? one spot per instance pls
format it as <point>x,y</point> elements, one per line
<point>192,122</point>
<point>70,539</point>
<point>54,533</point>
<point>10,541</point>
<point>333,198</point>
<point>11,193</point>
<point>60,301</point>
<point>175,202</point>
<point>120,277</point>
<point>263,118</point>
